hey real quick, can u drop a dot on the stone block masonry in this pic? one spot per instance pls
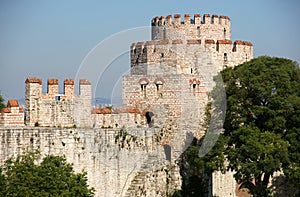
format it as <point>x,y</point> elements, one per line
<point>124,151</point>
<point>12,114</point>
<point>110,169</point>
<point>58,110</point>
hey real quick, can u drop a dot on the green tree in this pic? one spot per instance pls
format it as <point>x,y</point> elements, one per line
<point>2,105</point>
<point>21,176</point>
<point>263,120</point>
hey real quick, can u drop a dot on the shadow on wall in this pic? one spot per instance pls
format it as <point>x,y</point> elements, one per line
<point>167,149</point>
<point>150,118</point>
<point>282,187</point>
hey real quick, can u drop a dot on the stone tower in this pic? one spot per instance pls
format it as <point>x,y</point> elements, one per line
<point>175,66</point>
<point>172,74</point>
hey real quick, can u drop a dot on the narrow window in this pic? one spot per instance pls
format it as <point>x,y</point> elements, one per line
<point>225,57</point>
<point>143,89</point>
<point>158,87</point>
<point>162,55</point>
<point>199,32</point>
<point>159,90</point>
<point>191,70</point>
<point>164,34</point>
<point>224,33</point>
<point>150,118</point>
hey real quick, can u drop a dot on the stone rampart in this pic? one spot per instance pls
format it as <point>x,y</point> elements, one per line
<point>111,168</point>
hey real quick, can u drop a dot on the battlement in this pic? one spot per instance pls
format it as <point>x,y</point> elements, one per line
<point>146,57</point>
<point>141,47</point>
<point>52,87</point>
<point>187,20</point>
<point>57,109</point>
<point>12,114</point>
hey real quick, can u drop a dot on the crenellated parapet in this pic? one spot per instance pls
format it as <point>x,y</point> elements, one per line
<point>52,93</point>
<point>187,27</point>
<point>187,20</point>
<point>54,108</point>
<point>145,55</point>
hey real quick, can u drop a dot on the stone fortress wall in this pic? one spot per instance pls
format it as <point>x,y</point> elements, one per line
<point>124,151</point>
<point>68,110</point>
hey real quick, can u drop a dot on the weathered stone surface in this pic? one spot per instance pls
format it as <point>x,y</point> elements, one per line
<point>133,151</point>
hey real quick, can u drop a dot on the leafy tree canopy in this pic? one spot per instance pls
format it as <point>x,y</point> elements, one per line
<point>2,104</point>
<point>21,176</point>
<point>262,126</point>
<point>263,120</point>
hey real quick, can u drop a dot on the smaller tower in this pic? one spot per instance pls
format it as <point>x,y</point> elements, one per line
<point>33,94</point>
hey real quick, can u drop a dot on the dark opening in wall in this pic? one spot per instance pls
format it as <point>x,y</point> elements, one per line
<point>225,57</point>
<point>158,87</point>
<point>162,55</point>
<point>150,118</point>
<point>143,89</point>
<point>224,33</point>
<point>57,98</point>
<point>167,149</point>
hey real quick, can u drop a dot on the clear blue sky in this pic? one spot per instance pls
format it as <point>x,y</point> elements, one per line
<point>51,38</point>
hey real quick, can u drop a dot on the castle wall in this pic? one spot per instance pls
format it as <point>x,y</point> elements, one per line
<point>118,120</point>
<point>112,166</point>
